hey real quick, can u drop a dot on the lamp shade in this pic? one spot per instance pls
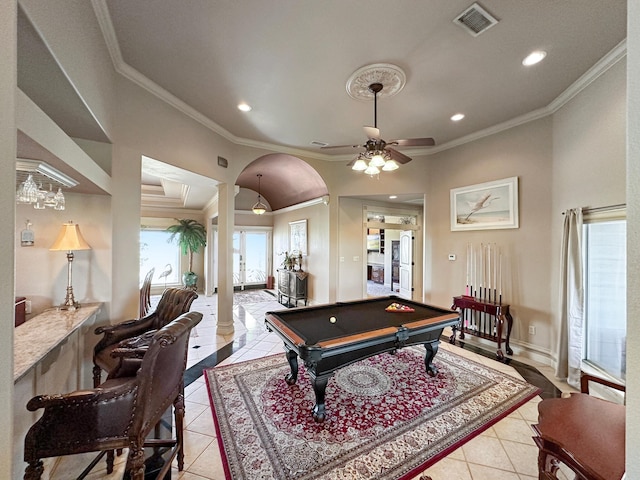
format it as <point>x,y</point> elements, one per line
<point>389,166</point>
<point>377,160</point>
<point>70,239</point>
<point>360,165</point>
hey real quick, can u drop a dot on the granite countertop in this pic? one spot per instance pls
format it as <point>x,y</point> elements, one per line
<point>34,339</point>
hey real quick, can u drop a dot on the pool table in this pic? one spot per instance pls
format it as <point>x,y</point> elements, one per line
<point>331,336</point>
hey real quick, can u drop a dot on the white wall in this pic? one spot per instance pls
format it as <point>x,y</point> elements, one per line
<point>316,261</point>
<point>633,237</point>
<point>41,275</point>
<point>523,152</point>
<point>87,64</point>
<point>8,87</point>
<point>589,160</point>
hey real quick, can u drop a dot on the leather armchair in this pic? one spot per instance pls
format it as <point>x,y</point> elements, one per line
<point>121,412</point>
<point>173,303</point>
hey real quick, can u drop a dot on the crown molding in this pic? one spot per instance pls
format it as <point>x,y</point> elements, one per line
<point>104,20</point>
<point>124,69</point>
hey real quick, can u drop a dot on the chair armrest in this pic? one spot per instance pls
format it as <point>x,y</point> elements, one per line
<point>585,378</point>
<point>109,391</point>
<point>129,352</point>
<point>43,401</point>
<point>110,328</point>
<point>124,330</point>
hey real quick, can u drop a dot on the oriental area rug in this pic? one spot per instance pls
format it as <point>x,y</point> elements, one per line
<point>252,296</point>
<point>386,418</point>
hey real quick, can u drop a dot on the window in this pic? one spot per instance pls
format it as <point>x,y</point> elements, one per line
<point>157,252</point>
<point>605,286</point>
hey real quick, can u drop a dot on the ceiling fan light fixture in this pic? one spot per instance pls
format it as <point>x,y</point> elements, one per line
<point>377,160</point>
<point>390,166</point>
<point>372,170</point>
<point>360,165</point>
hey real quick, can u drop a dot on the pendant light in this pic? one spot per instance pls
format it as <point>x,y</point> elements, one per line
<point>259,208</point>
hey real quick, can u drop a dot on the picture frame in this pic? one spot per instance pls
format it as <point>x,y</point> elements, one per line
<point>485,206</point>
<point>298,237</point>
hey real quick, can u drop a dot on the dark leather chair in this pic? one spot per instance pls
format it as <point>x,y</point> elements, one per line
<point>122,411</point>
<point>584,432</point>
<point>145,293</point>
<point>173,303</point>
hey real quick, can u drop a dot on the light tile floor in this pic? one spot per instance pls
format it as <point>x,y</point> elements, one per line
<point>503,452</point>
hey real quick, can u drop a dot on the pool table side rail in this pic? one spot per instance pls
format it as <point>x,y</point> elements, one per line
<point>357,337</point>
<point>431,321</point>
<point>296,340</point>
<point>275,323</point>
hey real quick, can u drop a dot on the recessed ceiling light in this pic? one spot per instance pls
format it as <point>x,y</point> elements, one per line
<point>393,196</point>
<point>457,117</point>
<point>244,107</point>
<point>534,57</point>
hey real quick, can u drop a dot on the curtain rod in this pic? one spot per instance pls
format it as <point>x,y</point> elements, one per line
<point>603,209</point>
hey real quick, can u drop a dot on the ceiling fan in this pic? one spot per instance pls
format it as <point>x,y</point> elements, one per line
<point>377,147</point>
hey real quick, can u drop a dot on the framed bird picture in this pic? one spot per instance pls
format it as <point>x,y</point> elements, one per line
<point>485,206</point>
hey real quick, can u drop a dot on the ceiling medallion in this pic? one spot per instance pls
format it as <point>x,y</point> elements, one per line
<point>390,76</point>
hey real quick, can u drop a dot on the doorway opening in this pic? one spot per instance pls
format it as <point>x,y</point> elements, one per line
<point>251,259</point>
<point>389,250</point>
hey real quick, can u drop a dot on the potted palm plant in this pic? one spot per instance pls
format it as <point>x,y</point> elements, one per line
<point>190,236</point>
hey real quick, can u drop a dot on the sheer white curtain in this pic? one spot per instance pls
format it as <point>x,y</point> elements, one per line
<point>570,342</point>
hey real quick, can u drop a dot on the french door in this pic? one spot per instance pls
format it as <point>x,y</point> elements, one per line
<point>250,257</point>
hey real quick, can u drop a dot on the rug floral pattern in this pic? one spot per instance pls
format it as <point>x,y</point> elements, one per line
<point>386,418</point>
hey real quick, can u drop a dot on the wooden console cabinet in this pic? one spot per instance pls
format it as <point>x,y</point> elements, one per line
<point>377,273</point>
<point>292,285</point>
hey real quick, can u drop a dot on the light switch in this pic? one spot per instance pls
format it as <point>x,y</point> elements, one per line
<point>341,259</point>
<point>452,257</point>
<point>356,259</point>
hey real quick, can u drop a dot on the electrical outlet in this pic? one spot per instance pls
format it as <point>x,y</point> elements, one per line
<point>356,258</point>
<point>532,330</point>
<point>27,306</point>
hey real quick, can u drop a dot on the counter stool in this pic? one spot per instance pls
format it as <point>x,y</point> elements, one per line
<point>121,412</point>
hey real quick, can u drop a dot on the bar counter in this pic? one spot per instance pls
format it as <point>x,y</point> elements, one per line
<point>53,353</point>
<point>35,339</point>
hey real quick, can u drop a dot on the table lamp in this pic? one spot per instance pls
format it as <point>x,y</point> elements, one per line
<point>69,239</point>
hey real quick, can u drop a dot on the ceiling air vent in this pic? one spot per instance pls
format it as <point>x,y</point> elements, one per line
<point>475,20</point>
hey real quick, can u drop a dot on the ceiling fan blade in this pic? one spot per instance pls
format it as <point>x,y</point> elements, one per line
<point>414,142</point>
<point>341,146</point>
<point>401,158</point>
<point>372,133</point>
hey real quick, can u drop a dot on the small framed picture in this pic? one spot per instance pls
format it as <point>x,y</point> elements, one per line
<point>298,236</point>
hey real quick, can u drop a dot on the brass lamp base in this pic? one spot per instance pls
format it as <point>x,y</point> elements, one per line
<point>69,301</point>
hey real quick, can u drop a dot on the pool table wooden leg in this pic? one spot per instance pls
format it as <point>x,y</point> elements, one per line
<point>319,388</point>
<point>432,349</point>
<point>292,377</point>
